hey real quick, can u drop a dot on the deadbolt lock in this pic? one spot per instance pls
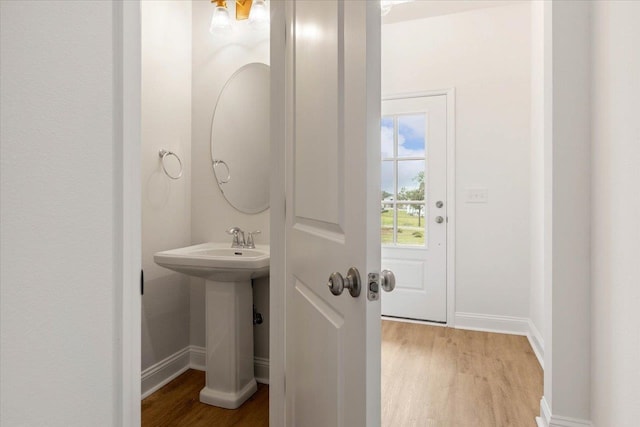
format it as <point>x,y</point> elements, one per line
<point>373,287</point>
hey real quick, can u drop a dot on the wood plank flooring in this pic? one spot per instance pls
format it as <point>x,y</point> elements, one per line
<point>431,376</point>
<point>435,376</point>
<point>177,405</point>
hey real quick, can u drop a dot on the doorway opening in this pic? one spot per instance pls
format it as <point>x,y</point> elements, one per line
<point>455,214</point>
<point>457,317</point>
<point>205,310</point>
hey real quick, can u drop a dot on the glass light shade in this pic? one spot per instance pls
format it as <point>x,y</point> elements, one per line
<point>220,21</point>
<point>259,15</point>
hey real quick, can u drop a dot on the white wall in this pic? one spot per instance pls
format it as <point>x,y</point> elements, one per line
<point>485,55</point>
<point>166,203</point>
<point>615,210</point>
<point>215,59</point>
<point>60,215</point>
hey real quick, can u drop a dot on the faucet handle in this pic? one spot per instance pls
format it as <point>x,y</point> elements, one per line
<point>236,232</point>
<point>250,243</point>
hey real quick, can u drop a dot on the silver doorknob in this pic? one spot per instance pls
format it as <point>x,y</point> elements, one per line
<point>337,283</point>
<point>439,204</point>
<point>387,280</point>
<point>439,219</point>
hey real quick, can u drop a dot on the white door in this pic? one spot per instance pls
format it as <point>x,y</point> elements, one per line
<point>414,206</point>
<point>332,363</point>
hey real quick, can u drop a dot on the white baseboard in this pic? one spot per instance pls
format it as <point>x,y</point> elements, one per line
<point>546,419</point>
<point>557,421</point>
<point>414,321</point>
<point>504,325</point>
<point>545,413</point>
<point>537,343</point>
<point>190,357</point>
<point>198,358</point>
<point>155,376</point>
<point>490,323</point>
<point>261,369</point>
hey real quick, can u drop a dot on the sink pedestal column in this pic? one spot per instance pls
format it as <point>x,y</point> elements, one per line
<point>229,330</point>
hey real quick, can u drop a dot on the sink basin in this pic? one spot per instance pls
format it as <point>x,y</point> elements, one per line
<point>217,261</point>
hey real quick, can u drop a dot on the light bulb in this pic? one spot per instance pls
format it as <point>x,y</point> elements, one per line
<point>220,21</point>
<point>259,15</point>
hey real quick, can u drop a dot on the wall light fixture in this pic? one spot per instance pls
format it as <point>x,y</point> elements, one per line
<point>254,10</point>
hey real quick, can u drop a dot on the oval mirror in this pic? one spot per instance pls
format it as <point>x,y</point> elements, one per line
<point>240,139</point>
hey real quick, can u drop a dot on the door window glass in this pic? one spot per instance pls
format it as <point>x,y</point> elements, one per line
<point>403,168</point>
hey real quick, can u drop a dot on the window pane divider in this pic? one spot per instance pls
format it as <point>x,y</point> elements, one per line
<point>406,158</point>
<point>388,159</point>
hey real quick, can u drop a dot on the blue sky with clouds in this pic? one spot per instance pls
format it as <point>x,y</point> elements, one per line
<point>411,143</point>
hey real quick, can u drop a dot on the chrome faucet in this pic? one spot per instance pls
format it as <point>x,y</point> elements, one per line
<point>238,237</point>
<point>239,240</point>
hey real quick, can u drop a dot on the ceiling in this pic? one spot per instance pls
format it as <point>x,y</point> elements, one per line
<point>420,9</point>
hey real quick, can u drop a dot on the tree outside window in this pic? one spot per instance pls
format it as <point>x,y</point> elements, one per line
<point>403,180</point>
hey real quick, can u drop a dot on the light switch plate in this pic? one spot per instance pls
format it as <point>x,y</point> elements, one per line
<point>477,195</point>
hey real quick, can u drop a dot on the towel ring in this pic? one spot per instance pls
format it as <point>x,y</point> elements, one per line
<point>164,153</point>
<point>217,162</point>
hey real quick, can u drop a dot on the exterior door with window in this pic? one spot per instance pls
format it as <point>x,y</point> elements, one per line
<point>414,206</point>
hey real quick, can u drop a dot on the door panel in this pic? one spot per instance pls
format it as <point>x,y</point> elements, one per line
<point>409,274</point>
<point>318,344</point>
<point>418,254</point>
<point>332,363</point>
<point>318,45</point>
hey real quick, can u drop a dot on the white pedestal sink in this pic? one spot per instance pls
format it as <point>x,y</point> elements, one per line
<point>229,314</point>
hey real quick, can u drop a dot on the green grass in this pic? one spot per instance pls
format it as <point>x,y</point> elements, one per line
<point>404,219</point>
<point>409,232</point>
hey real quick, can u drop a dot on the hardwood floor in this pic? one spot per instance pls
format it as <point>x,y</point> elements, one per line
<point>431,376</point>
<point>177,405</point>
<point>435,376</point>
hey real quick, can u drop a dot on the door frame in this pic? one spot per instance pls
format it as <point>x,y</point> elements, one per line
<point>277,203</point>
<point>450,95</point>
<point>127,84</point>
